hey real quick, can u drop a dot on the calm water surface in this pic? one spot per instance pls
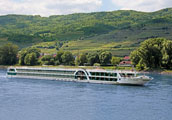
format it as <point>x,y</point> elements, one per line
<point>30,99</point>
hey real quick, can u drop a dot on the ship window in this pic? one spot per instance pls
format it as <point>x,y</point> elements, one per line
<point>114,74</point>
<point>12,70</point>
<point>102,74</point>
<point>97,73</point>
<point>130,75</point>
<point>111,74</point>
<point>122,74</point>
<point>106,74</point>
<point>93,78</point>
<point>92,73</point>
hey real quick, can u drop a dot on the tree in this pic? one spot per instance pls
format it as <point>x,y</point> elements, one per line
<point>23,53</point>
<point>134,57</point>
<point>105,58</point>
<point>153,53</point>
<point>93,58</point>
<point>58,58</point>
<point>47,60</point>
<point>77,61</point>
<point>115,60</point>
<point>150,52</point>
<point>83,58</point>
<point>167,54</point>
<point>30,56</point>
<point>80,60</point>
<point>67,58</point>
<point>31,59</point>
<point>8,54</point>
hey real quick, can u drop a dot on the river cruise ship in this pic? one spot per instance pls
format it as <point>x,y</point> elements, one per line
<point>79,75</point>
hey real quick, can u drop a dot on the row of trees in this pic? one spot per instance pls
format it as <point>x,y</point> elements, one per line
<point>10,55</point>
<point>153,53</point>
<point>66,58</point>
<point>102,58</point>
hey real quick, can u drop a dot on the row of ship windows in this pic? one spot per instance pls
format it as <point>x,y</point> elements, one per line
<point>46,75</point>
<point>65,76</point>
<point>96,78</point>
<point>103,74</point>
<point>104,79</point>
<point>11,73</point>
<point>68,72</point>
<point>47,71</point>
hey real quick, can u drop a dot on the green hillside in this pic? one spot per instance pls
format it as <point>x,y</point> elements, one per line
<point>119,31</point>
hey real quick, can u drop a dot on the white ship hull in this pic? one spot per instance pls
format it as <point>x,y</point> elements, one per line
<point>134,81</point>
<point>79,75</point>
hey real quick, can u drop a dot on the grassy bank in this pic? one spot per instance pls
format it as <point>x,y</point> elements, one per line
<point>168,72</point>
<point>3,67</point>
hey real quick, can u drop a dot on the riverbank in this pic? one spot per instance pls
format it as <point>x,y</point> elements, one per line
<point>164,72</point>
<point>155,71</point>
<point>168,72</point>
<point>3,67</point>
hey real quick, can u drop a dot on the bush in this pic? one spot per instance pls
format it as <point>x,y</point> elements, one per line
<point>96,64</point>
<point>115,60</point>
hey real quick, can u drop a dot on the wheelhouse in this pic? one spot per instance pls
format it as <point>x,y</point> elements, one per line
<point>126,74</point>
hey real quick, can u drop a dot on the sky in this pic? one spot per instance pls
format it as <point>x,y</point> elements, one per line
<point>61,7</point>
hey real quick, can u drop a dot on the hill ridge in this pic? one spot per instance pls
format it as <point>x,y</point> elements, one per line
<point>98,27</point>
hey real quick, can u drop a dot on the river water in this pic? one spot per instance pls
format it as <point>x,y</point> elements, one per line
<point>30,99</point>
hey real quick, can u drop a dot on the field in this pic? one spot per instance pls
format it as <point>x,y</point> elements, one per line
<point>119,42</point>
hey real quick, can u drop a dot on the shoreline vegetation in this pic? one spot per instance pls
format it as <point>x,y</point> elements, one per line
<point>155,71</point>
<point>154,56</point>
